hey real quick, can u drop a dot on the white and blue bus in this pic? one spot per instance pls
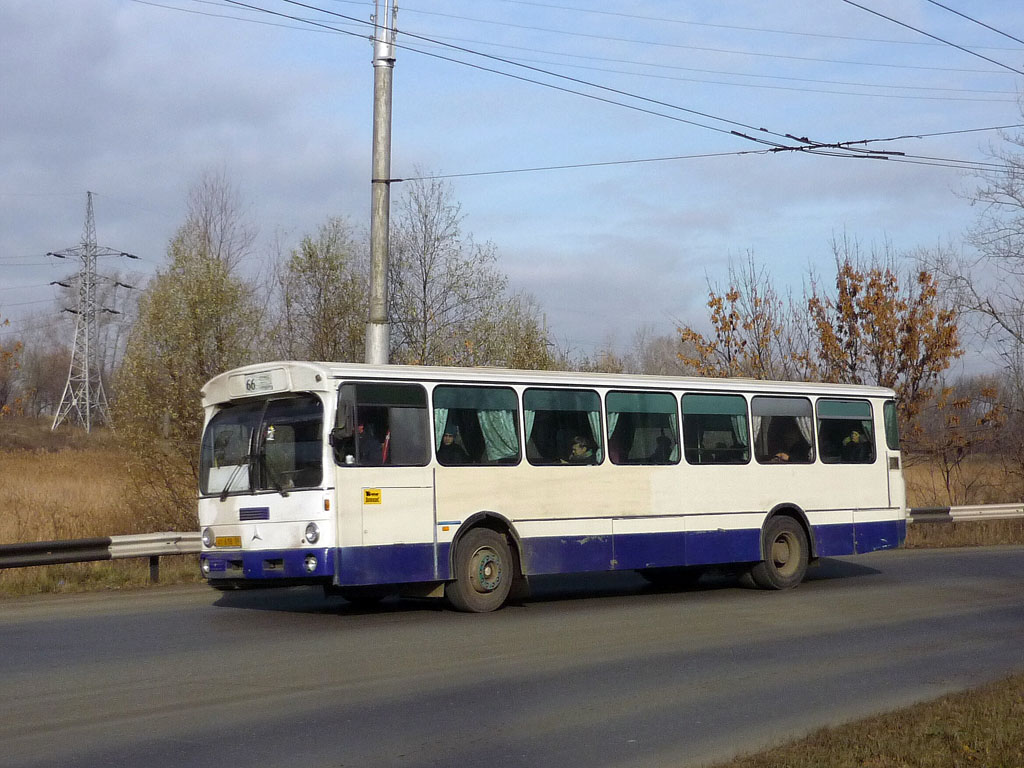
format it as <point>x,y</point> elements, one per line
<point>464,482</point>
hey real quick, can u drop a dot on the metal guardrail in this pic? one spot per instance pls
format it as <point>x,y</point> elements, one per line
<point>971,512</point>
<point>151,545</point>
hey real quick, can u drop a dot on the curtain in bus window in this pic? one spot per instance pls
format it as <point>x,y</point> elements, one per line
<point>643,428</point>
<point>715,429</point>
<point>558,418</point>
<point>500,438</point>
<point>482,422</point>
<point>783,430</point>
<point>440,424</point>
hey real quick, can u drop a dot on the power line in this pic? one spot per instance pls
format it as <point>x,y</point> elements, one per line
<point>660,44</point>
<point>327,30</point>
<point>583,165</point>
<point>980,23</point>
<point>803,143</point>
<point>934,37</point>
<point>530,80</point>
<point>729,73</point>
<point>915,159</point>
<point>796,89</point>
<point>738,28</point>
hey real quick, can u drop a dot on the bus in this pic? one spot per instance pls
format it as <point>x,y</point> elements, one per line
<point>465,482</point>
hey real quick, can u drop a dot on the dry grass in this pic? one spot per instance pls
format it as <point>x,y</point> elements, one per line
<point>87,577</point>
<point>980,480</point>
<point>983,727</point>
<point>69,485</point>
<point>969,533</point>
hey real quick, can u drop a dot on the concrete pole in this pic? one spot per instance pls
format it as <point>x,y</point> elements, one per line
<point>377,329</point>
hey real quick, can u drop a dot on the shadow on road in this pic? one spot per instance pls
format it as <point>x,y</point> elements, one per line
<point>543,589</point>
<point>828,568</point>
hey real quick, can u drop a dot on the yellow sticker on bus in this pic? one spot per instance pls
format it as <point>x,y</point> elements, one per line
<point>371,495</point>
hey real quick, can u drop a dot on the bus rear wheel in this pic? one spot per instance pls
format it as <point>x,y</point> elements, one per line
<point>785,555</point>
<point>484,572</point>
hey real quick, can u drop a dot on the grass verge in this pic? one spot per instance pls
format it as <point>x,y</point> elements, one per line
<point>88,577</point>
<point>965,533</point>
<point>981,727</point>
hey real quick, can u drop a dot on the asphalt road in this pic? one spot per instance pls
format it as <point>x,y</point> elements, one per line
<point>591,671</point>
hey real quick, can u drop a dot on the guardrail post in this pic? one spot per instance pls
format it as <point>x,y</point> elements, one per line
<point>154,569</point>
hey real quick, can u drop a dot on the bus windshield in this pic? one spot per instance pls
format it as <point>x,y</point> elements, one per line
<point>263,445</point>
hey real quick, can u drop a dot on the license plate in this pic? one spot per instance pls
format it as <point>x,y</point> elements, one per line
<point>227,541</point>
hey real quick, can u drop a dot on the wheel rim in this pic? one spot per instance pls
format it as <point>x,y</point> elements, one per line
<point>485,570</point>
<point>786,553</point>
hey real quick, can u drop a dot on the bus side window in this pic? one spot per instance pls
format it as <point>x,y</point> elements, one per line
<point>845,432</point>
<point>643,428</point>
<point>476,425</point>
<point>559,419</point>
<point>783,430</point>
<point>715,429</point>
<point>381,424</point>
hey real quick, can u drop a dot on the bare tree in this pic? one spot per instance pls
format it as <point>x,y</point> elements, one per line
<point>750,333</point>
<point>321,295</point>
<point>988,282</point>
<point>449,304</point>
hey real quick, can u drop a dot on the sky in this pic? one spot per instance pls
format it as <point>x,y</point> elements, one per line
<point>135,101</point>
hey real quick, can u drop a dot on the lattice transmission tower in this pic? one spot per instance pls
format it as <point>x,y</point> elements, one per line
<point>84,399</point>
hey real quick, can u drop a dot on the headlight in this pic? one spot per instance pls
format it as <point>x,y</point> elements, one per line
<point>310,563</point>
<point>312,533</point>
<point>204,566</point>
<point>207,537</point>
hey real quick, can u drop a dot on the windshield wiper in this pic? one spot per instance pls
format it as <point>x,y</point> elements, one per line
<point>231,479</point>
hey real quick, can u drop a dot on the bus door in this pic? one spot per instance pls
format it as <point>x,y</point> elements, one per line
<point>382,444</point>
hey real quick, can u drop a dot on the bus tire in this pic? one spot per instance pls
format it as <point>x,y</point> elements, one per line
<point>786,555</point>
<point>484,572</point>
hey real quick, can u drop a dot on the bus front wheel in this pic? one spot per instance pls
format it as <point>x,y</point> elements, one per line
<point>483,572</point>
<point>785,555</point>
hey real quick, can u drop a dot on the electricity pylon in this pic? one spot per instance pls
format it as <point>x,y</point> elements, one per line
<point>84,398</point>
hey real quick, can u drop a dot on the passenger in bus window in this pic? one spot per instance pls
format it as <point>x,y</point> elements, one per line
<point>792,447</point>
<point>856,448</point>
<point>450,452</point>
<point>370,449</point>
<point>581,452</point>
<point>663,446</point>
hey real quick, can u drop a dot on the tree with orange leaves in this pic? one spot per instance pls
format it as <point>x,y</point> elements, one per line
<point>880,329</point>
<point>9,363</point>
<point>876,328</point>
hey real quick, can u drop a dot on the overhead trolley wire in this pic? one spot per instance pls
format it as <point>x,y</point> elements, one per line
<point>767,30</point>
<point>934,37</point>
<point>803,144</point>
<point>539,71</point>
<point>310,25</point>
<point>979,23</point>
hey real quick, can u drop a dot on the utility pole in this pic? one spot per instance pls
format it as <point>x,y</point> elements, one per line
<point>377,329</point>
<point>83,392</point>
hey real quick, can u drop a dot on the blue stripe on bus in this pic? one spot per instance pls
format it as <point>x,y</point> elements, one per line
<point>267,564</point>
<point>398,563</point>
<point>392,564</point>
